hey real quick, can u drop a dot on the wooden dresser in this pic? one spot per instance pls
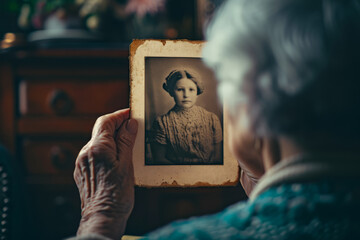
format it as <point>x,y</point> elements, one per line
<point>49,101</point>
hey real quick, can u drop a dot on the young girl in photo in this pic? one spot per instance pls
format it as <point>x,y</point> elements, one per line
<point>187,134</point>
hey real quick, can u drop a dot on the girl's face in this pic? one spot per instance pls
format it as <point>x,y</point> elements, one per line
<point>185,93</point>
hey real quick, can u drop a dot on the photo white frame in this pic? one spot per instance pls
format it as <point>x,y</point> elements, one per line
<point>171,175</point>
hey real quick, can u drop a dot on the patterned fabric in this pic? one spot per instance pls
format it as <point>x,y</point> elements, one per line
<point>90,236</point>
<point>302,197</point>
<point>322,210</point>
<point>189,134</point>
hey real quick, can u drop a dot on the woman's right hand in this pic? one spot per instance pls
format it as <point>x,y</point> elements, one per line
<point>104,176</point>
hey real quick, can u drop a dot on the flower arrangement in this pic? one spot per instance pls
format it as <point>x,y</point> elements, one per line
<point>99,16</point>
<point>114,20</point>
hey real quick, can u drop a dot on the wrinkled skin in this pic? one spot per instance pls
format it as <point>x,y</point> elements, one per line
<point>247,148</point>
<point>104,176</point>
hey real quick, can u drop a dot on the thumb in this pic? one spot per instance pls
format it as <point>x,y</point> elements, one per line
<point>125,138</point>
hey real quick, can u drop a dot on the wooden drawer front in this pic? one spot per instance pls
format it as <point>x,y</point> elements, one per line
<point>51,157</point>
<point>72,98</point>
<point>53,212</point>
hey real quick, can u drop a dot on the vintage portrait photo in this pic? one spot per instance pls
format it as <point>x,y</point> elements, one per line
<point>183,119</point>
<point>181,139</point>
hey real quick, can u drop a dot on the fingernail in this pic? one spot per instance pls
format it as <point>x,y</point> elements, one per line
<point>131,126</point>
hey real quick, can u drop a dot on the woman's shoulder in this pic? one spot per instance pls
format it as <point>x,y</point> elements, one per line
<point>225,224</point>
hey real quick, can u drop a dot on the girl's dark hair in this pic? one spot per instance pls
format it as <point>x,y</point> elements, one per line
<point>176,75</point>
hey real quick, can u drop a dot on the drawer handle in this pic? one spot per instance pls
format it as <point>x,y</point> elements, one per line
<point>60,102</point>
<point>61,158</point>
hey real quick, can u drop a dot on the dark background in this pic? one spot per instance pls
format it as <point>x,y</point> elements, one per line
<point>51,93</point>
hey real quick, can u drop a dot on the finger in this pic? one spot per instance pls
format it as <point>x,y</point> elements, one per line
<point>79,180</point>
<point>79,165</point>
<point>109,123</point>
<point>126,135</point>
<point>125,140</point>
<point>101,154</point>
<point>78,175</point>
<point>92,174</point>
<point>82,177</point>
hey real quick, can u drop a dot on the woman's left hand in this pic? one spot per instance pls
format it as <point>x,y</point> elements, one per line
<point>246,148</point>
<point>104,176</point>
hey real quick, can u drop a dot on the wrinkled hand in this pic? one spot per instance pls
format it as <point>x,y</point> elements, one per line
<point>104,176</point>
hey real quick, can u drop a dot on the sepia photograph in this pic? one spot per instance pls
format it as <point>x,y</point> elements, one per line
<point>183,118</point>
<point>182,139</point>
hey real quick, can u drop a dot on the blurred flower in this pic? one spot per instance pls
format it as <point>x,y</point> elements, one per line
<point>38,18</point>
<point>143,7</point>
<point>93,22</point>
<point>115,20</point>
<point>92,6</point>
<point>24,16</point>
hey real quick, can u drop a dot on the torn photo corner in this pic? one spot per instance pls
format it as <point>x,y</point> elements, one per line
<point>182,137</point>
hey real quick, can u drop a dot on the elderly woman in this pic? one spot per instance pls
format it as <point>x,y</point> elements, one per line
<point>290,71</point>
<point>187,133</point>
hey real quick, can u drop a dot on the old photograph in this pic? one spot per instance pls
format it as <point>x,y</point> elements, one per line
<point>183,118</point>
<point>182,135</point>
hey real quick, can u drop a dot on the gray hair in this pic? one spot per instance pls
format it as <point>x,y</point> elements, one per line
<point>295,63</point>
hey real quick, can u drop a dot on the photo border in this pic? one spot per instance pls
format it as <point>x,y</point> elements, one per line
<point>171,175</point>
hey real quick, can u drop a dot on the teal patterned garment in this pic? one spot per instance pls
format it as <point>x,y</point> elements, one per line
<point>327,209</point>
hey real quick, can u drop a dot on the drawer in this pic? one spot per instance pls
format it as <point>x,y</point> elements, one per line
<point>53,212</point>
<point>43,156</point>
<point>72,97</point>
